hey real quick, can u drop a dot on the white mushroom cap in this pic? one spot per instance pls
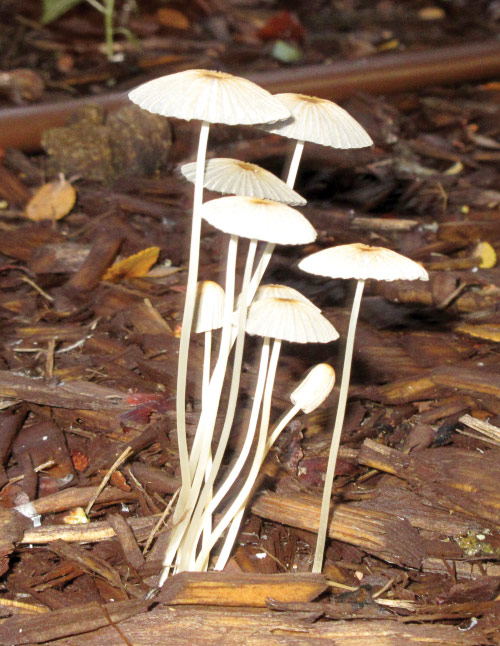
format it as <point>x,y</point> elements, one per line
<point>320,121</point>
<point>211,96</point>
<point>282,291</point>
<point>362,261</point>
<point>232,176</point>
<point>254,218</point>
<point>314,388</point>
<point>289,320</point>
<point>209,309</point>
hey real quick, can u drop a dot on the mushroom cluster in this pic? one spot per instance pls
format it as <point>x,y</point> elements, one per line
<point>259,207</point>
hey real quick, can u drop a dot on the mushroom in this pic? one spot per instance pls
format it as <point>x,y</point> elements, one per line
<point>232,176</point>
<point>362,262</point>
<point>318,121</point>
<point>212,97</point>
<point>279,319</point>
<point>254,219</point>
<point>309,394</point>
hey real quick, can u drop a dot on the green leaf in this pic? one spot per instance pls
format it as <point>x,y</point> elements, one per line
<point>52,9</point>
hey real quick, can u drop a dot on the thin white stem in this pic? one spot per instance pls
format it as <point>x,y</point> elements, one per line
<point>208,415</point>
<point>244,451</point>
<point>195,447</point>
<point>187,318</point>
<point>294,164</point>
<point>232,533</point>
<point>275,433</point>
<point>257,461</point>
<point>337,431</point>
<point>215,391</point>
<point>259,271</point>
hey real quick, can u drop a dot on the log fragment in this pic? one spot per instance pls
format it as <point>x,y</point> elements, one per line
<point>240,589</point>
<point>383,535</point>
<point>181,625</point>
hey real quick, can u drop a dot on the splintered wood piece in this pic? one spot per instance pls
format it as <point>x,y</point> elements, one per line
<point>454,478</point>
<point>72,394</point>
<point>384,535</point>
<point>181,625</point>
<point>78,497</point>
<point>63,623</point>
<point>131,551</point>
<point>240,589</point>
<point>401,391</point>
<point>101,255</point>
<point>92,532</point>
<point>479,380</point>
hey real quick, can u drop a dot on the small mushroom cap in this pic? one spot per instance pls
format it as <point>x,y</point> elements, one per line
<point>255,218</point>
<point>282,291</point>
<point>321,122</point>
<point>314,388</point>
<point>211,96</point>
<point>232,176</point>
<point>362,261</point>
<point>289,320</point>
<point>209,309</point>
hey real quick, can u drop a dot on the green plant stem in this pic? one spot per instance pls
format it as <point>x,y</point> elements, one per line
<point>337,430</point>
<point>257,461</point>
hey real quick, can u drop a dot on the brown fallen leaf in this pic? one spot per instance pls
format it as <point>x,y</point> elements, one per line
<point>52,201</point>
<point>172,18</point>
<point>134,266</point>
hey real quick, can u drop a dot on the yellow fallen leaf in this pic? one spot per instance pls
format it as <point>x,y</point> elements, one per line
<point>134,266</point>
<point>487,254</point>
<point>431,13</point>
<point>52,201</point>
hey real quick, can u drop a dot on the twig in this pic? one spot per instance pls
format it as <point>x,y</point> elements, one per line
<point>121,458</point>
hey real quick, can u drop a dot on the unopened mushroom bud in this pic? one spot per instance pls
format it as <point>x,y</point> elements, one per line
<point>315,388</point>
<point>209,306</point>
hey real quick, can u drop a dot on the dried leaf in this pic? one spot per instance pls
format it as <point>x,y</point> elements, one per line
<point>52,201</point>
<point>172,18</point>
<point>134,266</point>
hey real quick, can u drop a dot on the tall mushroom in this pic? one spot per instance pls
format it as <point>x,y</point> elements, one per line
<point>212,97</point>
<point>362,262</point>
<point>235,177</point>
<point>309,394</point>
<point>255,219</point>
<point>280,319</point>
<point>317,121</point>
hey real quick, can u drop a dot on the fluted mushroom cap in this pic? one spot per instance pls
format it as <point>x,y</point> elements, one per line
<point>289,320</point>
<point>314,388</point>
<point>209,309</point>
<point>211,96</point>
<point>254,218</point>
<point>232,176</point>
<point>319,121</point>
<point>362,261</point>
<point>282,291</point>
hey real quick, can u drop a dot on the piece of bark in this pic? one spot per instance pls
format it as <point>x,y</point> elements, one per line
<point>10,423</point>
<point>71,394</point>
<point>61,258</point>
<point>456,479</point>
<point>128,543</point>
<point>239,589</point>
<point>99,258</point>
<point>87,561</point>
<point>154,479</point>
<point>384,535</point>
<point>12,189</point>
<point>183,625</point>
<point>78,497</point>
<point>63,623</point>
<point>475,380</point>
<point>95,531</point>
